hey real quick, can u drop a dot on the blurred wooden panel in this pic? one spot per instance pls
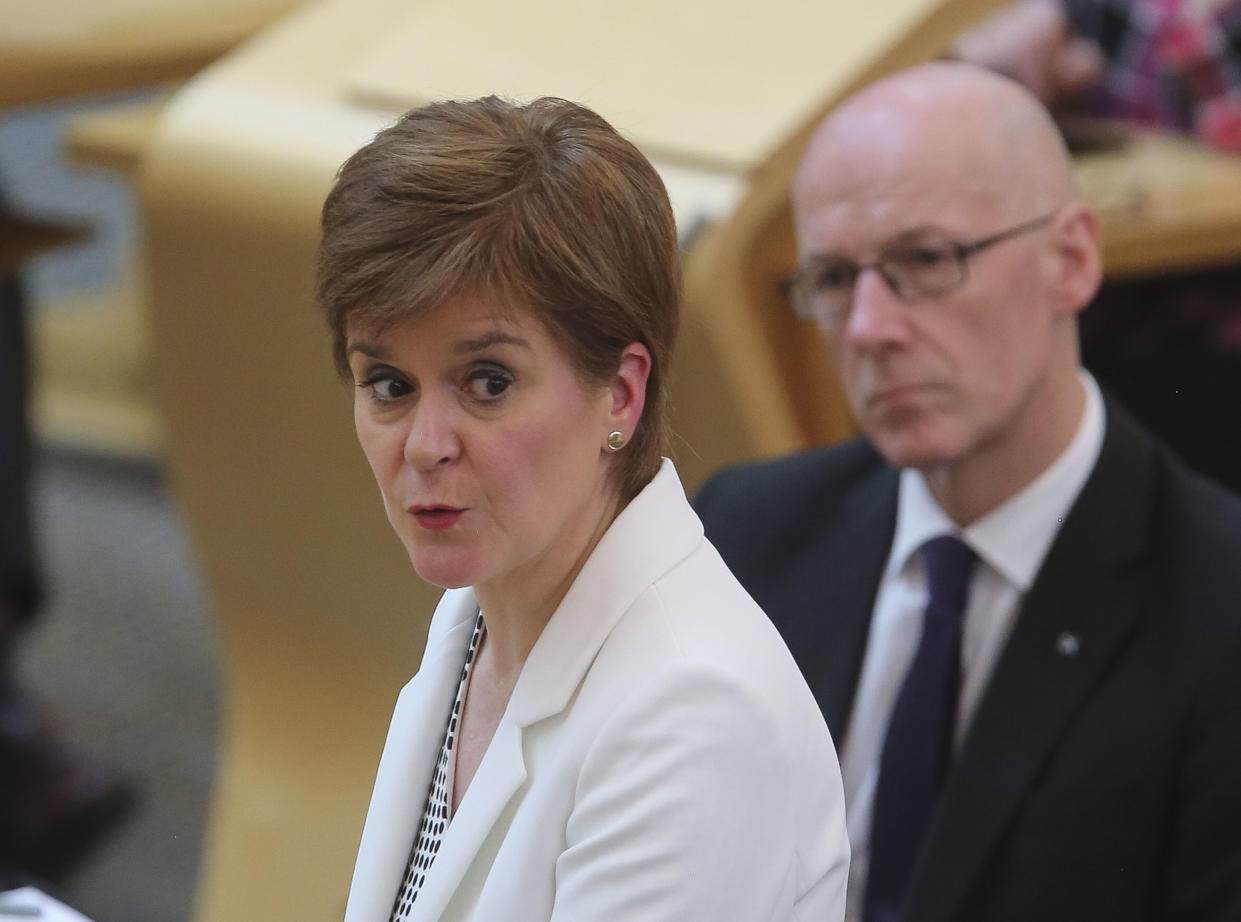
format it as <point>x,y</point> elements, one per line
<point>53,48</point>
<point>1167,202</point>
<point>115,137</point>
<point>714,84</point>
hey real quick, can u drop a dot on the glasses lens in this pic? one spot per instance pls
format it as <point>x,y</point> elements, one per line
<point>925,267</point>
<point>822,291</point>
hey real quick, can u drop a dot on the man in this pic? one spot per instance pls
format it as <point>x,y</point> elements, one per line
<point>1020,615</point>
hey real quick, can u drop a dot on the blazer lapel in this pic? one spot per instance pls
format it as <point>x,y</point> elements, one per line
<point>404,777</point>
<point>1076,618</point>
<point>498,778</point>
<point>655,532</point>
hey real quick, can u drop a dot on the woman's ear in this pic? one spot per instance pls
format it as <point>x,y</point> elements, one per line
<point>628,389</point>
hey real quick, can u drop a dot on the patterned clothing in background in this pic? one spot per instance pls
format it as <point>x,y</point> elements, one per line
<point>1169,346</point>
<point>1168,63</point>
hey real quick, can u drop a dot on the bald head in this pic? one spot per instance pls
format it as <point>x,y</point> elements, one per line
<point>984,135</point>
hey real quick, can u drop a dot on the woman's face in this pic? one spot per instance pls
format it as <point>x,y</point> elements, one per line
<point>490,453</point>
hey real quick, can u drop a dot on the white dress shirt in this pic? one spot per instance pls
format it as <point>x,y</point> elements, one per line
<point>1011,542</point>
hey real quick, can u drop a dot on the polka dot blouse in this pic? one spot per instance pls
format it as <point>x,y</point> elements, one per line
<point>435,815</point>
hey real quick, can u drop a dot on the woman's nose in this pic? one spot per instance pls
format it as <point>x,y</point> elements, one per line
<point>433,437</point>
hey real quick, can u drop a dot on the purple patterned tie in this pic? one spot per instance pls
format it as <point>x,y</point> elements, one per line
<point>918,744</point>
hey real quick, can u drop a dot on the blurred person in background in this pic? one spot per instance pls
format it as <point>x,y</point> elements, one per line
<point>604,725</point>
<point>56,802</point>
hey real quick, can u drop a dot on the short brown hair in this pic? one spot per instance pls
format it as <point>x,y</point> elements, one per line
<point>542,205</point>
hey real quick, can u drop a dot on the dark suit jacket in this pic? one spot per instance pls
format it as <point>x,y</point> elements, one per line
<point>1095,785</point>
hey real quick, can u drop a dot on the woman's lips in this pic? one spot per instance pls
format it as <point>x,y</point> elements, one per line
<point>437,518</point>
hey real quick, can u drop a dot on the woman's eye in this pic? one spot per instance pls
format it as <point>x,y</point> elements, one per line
<point>385,388</point>
<point>488,384</point>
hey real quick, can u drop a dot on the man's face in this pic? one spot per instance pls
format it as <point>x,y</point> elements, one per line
<point>932,380</point>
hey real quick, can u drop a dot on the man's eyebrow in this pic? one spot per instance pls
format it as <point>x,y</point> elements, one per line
<point>911,232</point>
<point>901,236</point>
<point>490,338</point>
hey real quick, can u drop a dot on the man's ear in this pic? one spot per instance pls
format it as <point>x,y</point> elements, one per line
<point>1078,263</point>
<point>628,389</point>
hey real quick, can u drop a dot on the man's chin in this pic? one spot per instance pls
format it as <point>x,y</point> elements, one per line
<point>911,448</point>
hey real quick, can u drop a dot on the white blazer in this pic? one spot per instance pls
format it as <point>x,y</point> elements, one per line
<point>661,757</point>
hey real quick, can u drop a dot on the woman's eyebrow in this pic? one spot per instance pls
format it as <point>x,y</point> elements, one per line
<point>371,350</point>
<point>490,338</point>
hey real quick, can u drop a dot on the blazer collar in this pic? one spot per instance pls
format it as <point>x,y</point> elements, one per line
<point>651,535</point>
<point>1082,607</point>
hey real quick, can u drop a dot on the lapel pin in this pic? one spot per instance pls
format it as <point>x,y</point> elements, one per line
<point>1068,644</point>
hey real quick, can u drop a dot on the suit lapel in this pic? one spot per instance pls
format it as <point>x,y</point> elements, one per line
<point>1083,605</point>
<point>404,777</point>
<point>835,588</point>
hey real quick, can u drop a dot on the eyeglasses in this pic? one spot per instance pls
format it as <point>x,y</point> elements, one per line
<point>926,264</point>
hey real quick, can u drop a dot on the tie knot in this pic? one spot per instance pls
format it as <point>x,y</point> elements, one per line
<point>949,563</point>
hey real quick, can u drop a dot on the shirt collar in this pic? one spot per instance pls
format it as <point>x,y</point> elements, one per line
<point>1014,537</point>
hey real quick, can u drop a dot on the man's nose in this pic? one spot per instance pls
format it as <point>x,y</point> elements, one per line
<point>877,316</point>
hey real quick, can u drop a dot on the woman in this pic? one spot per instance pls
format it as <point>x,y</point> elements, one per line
<point>604,725</point>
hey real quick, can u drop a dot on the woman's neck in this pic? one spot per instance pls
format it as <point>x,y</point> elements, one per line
<point>517,606</point>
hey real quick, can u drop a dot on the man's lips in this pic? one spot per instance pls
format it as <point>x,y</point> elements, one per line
<point>438,517</point>
<point>894,393</point>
